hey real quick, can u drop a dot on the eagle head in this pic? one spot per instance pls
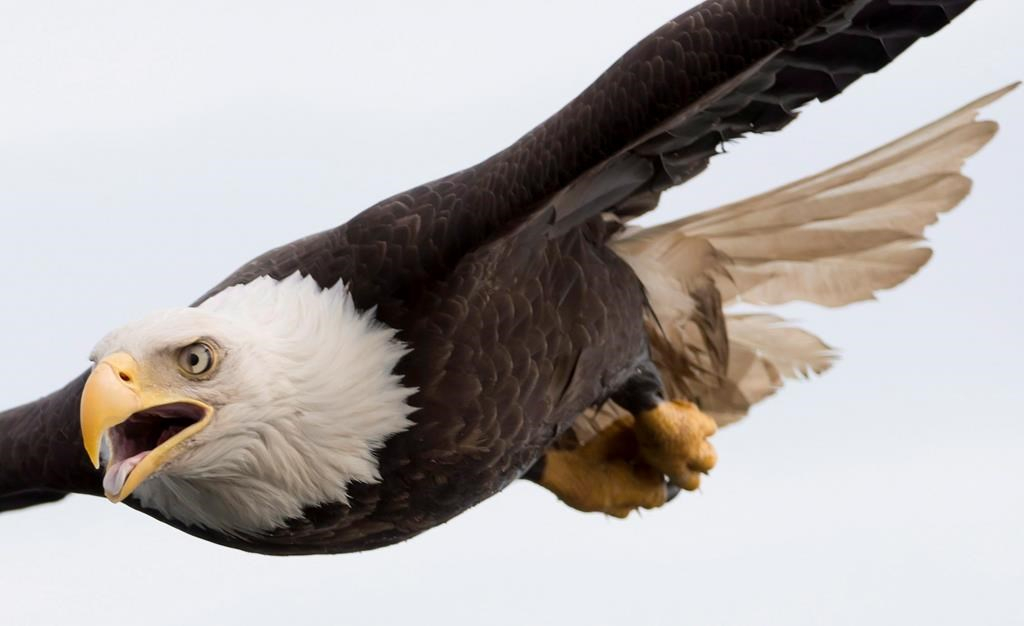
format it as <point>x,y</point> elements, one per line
<point>238,413</point>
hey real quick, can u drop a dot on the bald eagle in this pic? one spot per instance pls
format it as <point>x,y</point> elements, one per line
<point>361,385</point>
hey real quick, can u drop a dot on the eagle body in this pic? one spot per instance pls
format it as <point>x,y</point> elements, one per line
<point>517,301</point>
<point>507,350</point>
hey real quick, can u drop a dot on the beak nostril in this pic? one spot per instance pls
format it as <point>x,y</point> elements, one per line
<point>125,377</point>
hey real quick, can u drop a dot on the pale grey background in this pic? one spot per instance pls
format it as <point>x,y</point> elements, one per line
<point>147,149</point>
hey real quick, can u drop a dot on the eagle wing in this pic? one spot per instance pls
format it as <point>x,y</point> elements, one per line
<point>651,121</point>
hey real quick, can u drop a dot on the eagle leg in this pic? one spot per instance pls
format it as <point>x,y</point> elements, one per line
<point>671,434</point>
<point>605,475</point>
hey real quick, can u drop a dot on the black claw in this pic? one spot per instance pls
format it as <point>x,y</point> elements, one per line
<point>671,492</point>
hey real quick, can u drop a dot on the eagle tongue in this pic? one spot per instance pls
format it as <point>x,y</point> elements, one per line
<point>117,473</point>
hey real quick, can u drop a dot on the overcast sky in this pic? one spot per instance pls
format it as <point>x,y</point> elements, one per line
<point>147,149</point>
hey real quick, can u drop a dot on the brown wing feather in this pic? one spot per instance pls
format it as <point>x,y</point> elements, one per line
<point>837,237</point>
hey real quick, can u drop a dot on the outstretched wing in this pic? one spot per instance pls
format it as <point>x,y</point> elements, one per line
<point>652,120</point>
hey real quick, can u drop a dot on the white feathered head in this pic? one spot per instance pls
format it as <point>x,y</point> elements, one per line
<point>235,415</point>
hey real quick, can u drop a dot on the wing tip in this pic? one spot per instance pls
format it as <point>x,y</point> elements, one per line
<point>991,97</point>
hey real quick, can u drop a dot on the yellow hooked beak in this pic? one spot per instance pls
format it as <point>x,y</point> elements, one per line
<point>117,391</point>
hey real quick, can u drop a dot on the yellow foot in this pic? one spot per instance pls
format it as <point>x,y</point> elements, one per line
<point>673,439</point>
<point>604,475</point>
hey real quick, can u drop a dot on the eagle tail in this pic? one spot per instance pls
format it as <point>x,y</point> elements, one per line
<point>833,238</point>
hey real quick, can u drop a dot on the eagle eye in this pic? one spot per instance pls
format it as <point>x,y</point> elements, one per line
<point>196,359</point>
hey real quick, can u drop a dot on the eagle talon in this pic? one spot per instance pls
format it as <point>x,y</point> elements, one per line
<point>671,492</point>
<point>673,439</point>
<point>624,467</point>
<point>605,475</point>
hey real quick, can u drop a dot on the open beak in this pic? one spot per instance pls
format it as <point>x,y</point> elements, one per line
<point>141,423</point>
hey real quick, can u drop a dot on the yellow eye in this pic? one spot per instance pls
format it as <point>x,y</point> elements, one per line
<point>196,359</point>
